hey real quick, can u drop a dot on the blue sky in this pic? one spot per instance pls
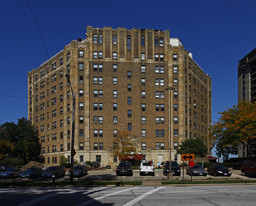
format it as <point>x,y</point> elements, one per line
<point>218,33</point>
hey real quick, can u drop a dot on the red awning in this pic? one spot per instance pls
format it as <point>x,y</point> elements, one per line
<point>132,157</point>
<point>212,158</point>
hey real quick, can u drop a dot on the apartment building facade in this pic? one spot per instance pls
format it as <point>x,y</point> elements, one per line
<point>122,80</point>
<point>247,89</point>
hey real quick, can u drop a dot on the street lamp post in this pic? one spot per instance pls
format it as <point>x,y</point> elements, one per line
<point>73,130</point>
<point>170,176</point>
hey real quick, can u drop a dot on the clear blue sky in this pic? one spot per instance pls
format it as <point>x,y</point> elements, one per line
<point>218,33</point>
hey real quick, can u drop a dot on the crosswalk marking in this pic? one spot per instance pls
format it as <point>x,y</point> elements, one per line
<point>37,200</point>
<point>142,196</point>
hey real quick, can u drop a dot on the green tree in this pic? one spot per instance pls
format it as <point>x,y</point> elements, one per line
<point>24,137</point>
<point>193,146</point>
<point>237,125</point>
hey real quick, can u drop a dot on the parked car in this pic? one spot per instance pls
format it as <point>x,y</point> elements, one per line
<point>218,170</point>
<point>10,173</point>
<point>31,172</point>
<point>196,170</point>
<point>124,168</point>
<point>79,171</point>
<point>238,165</point>
<point>249,169</point>
<point>54,171</point>
<point>174,166</point>
<point>146,168</point>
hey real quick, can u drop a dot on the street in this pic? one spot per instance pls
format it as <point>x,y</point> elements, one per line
<point>128,196</point>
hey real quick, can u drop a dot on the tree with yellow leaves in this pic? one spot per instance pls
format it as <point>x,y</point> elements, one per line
<point>124,145</point>
<point>237,125</point>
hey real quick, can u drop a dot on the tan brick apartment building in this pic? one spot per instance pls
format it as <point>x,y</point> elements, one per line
<point>120,78</point>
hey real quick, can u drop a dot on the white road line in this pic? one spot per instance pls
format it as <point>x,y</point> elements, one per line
<point>142,197</point>
<point>110,194</point>
<point>39,199</point>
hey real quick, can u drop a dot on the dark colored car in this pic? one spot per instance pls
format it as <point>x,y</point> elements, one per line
<point>174,166</point>
<point>54,171</point>
<point>10,173</point>
<point>196,170</point>
<point>238,165</point>
<point>124,168</point>
<point>79,171</point>
<point>31,172</point>
<point>249,169</point>
<point>218,170</point>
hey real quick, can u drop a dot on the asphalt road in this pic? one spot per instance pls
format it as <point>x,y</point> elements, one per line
<point>129,196</point>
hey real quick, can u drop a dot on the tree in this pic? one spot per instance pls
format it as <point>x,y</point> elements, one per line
<point>237,125</point>
<point>24,137</point>
<point>124,145</point>
<point>193,146</point>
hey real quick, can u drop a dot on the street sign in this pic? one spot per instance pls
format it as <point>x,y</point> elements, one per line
<point>187,157</point>
<point>191,164</point>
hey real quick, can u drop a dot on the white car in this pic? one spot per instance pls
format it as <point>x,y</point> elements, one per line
<point>147,169</point>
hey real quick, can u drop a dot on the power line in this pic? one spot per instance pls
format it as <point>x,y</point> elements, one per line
<point>37,26</point>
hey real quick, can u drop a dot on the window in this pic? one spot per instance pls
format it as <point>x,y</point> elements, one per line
<point>81,79</point>
<point>95,93</point>
<point>100,54</point>
<point>100,106</point>
<point>95,106</point>
<point>114,39</point>
<point>95,55</point>
<point>175,119</point>
<point>162,120</point>
<point>175,107</point>
<point>161,57</point>
<point>95,67</point>
<point>129,43</point>
<point>81,145</point>
<point>114,106</point>
<point>143,145</point>
<point>156,57</point>
<point>156,69</point>
<point>114,119</point>
<point>100,119</point>
<point>100,67</point>
<point>100,39</point>
<point>81,119</point>
<point>157,145</point>
<point>157,133</point>
<point>100,93</point>
<point>175,69</point>
<point>157,120</point>
<point>81,66</point>
<point>143,133</point>
<point>175,82</point>
<point>156,42</point>
<point>175,133</point>
<point>143,68</point>
<point>143,56</point>
<point>68,68</point>
<point>175,94</point>
<point>129,100</point>
<point>162,69</point>
<point>54,66</point>
<point>114,93</point>
<point>100,80</point>
<point>95,146</point>
<point>98,158</point>
<point>162,107</point>
<point>81,92</point>
<point>61,61</point>
<point>115,133</point>
<point>157,107</point>
<point>114,67</point>
<point>129,113</point>
<point>162,132</point>
<point>175,144</point>
<point>81,105</point>
<point>114,55</point>
<point>157,94</point>
<point>100,145</point>
<point>95,133</point>
<point>129,74</point>
<point>157,82</point>
<point>95,119</point>
<point>162,145</point>
<point>81,158</point>
<point>81,53</point>
<point>142,41</point>
<point>161,82</point>
<point>115,80</point>
<point>174,57</point>
<point>129,87</point>
<point>143,120</point>
<point>129,126</point>
<point>81,132</point>
<point>143,94</point>
<point>100,132</point>
<point>95,38</point>
<point>161,41</point>
<point>143,82</point>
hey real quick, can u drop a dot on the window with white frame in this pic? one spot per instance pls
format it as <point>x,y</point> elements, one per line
<point>129,87</point>
<point>143,94</point>
<point>81,105</point>
<point>143,56</point>
<point>157,120</point>
<point>175,69</point>
<point>175,119</point>
<point>175,94</point>
<point>143,68</point>
<point>175,57</point>
<point>143,145</point>
<point>100,93</point>
<point>95,80</point>
<point>162,94</point>
<point>100,80</point>
<point>162,120</point>
<point>81,66</point>
<point>162,69</point>
<point>114,93</point>
<point>143,82</point>
<point>114,39</point>
<point>162,132</point>
<point>114,119</point>
<point>157,94</point>
<point>81,53</point>
<point>95,55</point>
<point>100,66</point>
<point>161,57</point>
<point>157,145</point>
<point>95,93</point>
<point>162,145</point>
<point>156,69</point>
<point>157,107</point>
<point>161,82</point>
<point>175,82</point>
<point>100,119</point>
<point>100,132</point>
<point>156,57</point>
<point>81,119</point>
<point>95,67</point>
<point>114,67</point>
<point>114,80</point>
<point>81,92</point>
<point>100,54</point>
<point>95,38</point>
<point>100,106</point>
<point>114,106</point>
<point>161,41</point>
<point>143,120</point>
<point>129,113</point>
<point>143,133</point>
<point>143,107</point>
<point>95,133</point>
<point>114,55</point>
<point>100,39</point>
<point>157,82</point>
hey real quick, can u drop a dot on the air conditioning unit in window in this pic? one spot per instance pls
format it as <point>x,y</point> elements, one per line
<point>115,122</point>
